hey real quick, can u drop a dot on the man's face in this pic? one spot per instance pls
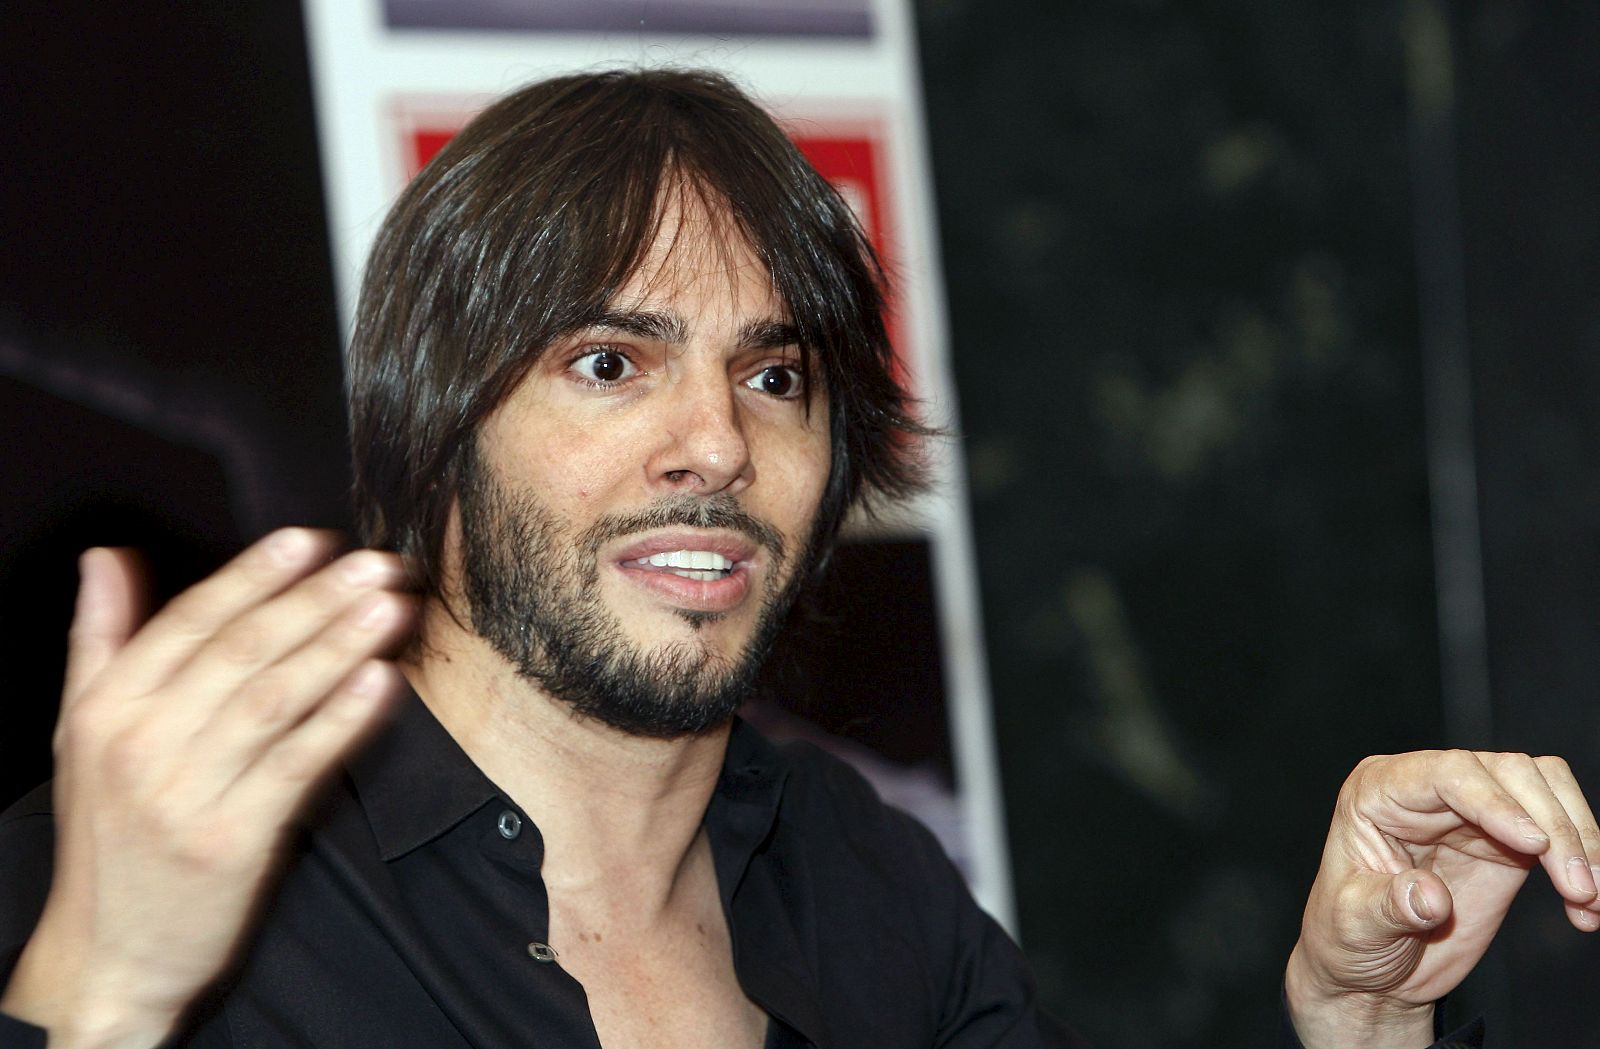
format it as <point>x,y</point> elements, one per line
<point>637,518</point>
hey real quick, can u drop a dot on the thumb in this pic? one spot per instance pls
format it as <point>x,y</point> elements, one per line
<point>1411,902</point>
<point>109,608</point>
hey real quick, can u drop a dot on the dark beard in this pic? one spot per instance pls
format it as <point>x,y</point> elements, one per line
<point>532,593</point>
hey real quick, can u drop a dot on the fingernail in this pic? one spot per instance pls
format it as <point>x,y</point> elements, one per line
<point>287,545</point>
<point>362,570</point>
<point>1531,831</point>
<point>1418,903</point>
<point>367,681</point>
<point>1579,874</point>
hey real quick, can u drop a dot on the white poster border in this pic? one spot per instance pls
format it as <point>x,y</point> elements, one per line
<point>358,66</point>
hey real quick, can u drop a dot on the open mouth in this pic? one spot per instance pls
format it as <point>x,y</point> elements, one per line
<point>691,570</point>
<point>701,565</point>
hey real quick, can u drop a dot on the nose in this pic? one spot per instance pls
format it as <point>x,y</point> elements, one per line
<point>703,448</point>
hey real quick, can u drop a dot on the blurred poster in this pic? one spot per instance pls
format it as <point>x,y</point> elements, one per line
<point>896,681</point>
<point>840,18</point>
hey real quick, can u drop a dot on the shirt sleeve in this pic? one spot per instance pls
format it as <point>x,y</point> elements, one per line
<point>992,1001</point>
<point>27,843</point>
<point>989,999</point>
<point>14,1034</point>
<point>27,861</point>
<point>895,921</point>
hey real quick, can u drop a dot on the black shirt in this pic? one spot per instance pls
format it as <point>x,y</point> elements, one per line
<point>414,914</point>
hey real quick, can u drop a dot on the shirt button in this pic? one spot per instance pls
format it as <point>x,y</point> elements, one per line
<point>510,824</point>
<point>541,952</point>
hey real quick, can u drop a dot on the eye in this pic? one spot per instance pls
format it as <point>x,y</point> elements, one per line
<point>777,380</point>
<point>603,367</point>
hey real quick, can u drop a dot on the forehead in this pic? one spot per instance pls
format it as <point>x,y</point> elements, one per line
<point>698,253</point>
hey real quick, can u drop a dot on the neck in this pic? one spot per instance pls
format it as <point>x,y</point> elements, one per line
<point>620,814</point>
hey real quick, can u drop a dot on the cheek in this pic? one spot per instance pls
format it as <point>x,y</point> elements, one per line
<point>802,476</point>
<point>569,467</point>
<point>579,473</point>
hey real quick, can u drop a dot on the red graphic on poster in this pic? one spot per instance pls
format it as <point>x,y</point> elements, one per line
<point>425,143</point>
<point>852,162</point>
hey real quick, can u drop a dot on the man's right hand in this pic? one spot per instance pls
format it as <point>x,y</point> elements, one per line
<point>183,751</point>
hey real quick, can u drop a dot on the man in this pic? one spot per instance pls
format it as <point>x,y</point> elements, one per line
<point>619,372</point>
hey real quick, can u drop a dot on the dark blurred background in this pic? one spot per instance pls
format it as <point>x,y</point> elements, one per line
<point>1272,322</point>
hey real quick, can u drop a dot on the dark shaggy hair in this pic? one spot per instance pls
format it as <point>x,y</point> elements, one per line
<point>526,226</point>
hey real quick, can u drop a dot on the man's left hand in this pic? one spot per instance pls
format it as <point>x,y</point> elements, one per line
<point>1425,854</point>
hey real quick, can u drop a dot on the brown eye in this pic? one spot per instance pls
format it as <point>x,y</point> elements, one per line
<point>778,381</point>
<point>603,366</point>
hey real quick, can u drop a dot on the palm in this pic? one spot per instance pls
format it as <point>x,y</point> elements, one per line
<point>1453,832</point>
<point>1424,856</point>
<point>1482,877</point>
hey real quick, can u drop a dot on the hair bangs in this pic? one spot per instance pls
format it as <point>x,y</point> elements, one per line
<point>527,225</point>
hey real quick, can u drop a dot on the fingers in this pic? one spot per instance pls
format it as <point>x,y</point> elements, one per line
<point>1568,860</point>
<point>321,672</point>
<point>196,616</point>
<point>1565,787</point>
<point>1534,806</point>
<point>1478,803</point>
<point>229,667</point>
<point>109,608</point>
<point>276,783</point>
<point>252,655</point>
<point>1455,785</point>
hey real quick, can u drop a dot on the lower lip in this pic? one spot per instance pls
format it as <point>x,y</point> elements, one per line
<point>692,595</point>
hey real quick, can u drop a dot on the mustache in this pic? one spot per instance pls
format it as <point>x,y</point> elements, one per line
<point>687,511</point>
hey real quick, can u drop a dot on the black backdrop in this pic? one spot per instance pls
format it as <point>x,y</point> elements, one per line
<point>1184,299</point>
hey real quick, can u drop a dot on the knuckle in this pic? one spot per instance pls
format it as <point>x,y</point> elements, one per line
<point>161,819</point>
<point>1369,762</point>
<point>189,616</point>
<point>363,568</point>
<point>265,698</point>
<point>1553,765</point>
<point>80,727</point>
<point>80,633</point>
<point>1508,761</point>
<point>1368,767</point>
<point>1510,806</point>
<point>1351,906</point>
<point>294,765</point>
<point>347,636</point>
<point>357,634</point>
<point>211,845</point>
<point>126,755</point>
<point>244,644</point>
<point>1458,768</point>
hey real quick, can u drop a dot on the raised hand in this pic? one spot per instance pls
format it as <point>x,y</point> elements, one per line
<point>1424,856</point>
<point>183,751</point>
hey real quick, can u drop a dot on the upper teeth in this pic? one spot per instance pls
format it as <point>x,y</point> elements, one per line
<point>700,560</point>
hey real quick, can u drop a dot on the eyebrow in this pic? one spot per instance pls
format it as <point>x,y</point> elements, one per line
<point>669,327</point>
<point>768,335</point>
<point>656,325</point>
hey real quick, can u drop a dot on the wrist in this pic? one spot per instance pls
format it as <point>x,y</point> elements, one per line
<point>1327,1017</point>
<point>49,991</point>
